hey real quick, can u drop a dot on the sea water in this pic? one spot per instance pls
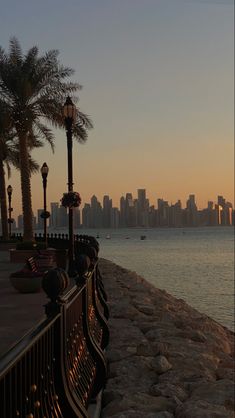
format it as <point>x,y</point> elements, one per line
<point>195,264</point>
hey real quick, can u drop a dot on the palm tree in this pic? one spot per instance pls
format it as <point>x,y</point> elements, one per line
<point>33,89</point>
<point>9,155</point>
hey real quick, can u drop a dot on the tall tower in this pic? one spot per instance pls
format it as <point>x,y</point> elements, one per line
<point>53,220</point>
<point>141,207</point>
<point>107,207</point>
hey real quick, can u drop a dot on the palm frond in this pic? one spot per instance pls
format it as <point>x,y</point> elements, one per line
<point>15,51</point>
<point>46,133</point>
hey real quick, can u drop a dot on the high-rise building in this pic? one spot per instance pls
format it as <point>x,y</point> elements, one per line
<point>227,214</point>
<point>122,212</point>
<point>107,207</point>
<point>218,214</point>
<point>221,201</point>
<point>86,216</point>
<point>53,220</point>
<point>115,216</point>
<point>95,213</point>
<point>191,211</point>
<point>163,212</point>
<point>130,217</point>
<point>62,217</point>
<point>40,223</point>
<point>76,218</point>
<point>175,215</point>
<point>20,222</point>
<point>141,199</point>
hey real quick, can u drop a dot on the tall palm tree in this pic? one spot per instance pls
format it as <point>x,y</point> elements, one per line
<point>9,156</point>
<point>33,89</point>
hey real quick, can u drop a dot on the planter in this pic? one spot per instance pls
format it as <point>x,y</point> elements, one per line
<point>27,284</point>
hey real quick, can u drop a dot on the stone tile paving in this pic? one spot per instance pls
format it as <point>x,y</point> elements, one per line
<point>18,312</point>
<point>166,359</point>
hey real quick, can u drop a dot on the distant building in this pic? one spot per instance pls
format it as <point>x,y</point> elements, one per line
<point>86,216</point>
<point>163,213</point>
<point>53,220</point>
<point>115,216</point>
<point>96,215</point>
<point>20,222</point>
<point>191,211</point>
<point>122,212</point>
<point>62,217</point>
<point>76,218</point>
<point>40,223</point>
<point>107,208</point>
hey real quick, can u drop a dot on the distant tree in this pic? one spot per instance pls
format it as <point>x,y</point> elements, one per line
<point>32,91</point>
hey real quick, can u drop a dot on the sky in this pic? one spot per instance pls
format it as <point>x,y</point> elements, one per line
<point>157,79</point>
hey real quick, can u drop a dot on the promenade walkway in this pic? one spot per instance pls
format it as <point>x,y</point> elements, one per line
<point>18,312</point>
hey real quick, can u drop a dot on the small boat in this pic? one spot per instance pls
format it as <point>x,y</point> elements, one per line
<point>142,237</point>
<point>97,236</point>
<point>108,237</point>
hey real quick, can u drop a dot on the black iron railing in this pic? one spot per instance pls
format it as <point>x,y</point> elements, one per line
<point>59,368</point>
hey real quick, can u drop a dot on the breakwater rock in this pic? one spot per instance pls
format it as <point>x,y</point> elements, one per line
<point>166,359</point>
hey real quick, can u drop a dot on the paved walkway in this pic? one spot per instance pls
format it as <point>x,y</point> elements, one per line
<point>18,312</point>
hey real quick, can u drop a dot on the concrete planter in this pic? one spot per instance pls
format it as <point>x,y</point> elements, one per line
<point>27,284</point>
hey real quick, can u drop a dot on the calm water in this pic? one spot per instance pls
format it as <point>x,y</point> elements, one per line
<point>196,265</point>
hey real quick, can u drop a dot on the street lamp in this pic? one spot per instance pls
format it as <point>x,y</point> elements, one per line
<point>70,114</point>
<point>10,209</point>
<point>45,214</point>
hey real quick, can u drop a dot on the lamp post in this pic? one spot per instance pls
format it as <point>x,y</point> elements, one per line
<point>10,209</point>
<point>44,173</point>
<point>70,113</point>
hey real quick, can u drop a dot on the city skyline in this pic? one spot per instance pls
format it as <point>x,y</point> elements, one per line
<point>138,212</point>
<point>116,202</point>
<point>158,89</point>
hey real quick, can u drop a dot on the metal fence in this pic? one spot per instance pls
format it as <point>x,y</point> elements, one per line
<point>59,368</point>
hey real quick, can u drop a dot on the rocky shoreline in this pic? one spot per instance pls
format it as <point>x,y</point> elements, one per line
<point>166,359</point>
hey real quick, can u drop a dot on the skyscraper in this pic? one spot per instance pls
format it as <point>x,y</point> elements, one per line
<point>53,220</point>
<point>107,207</point>
<point>141,208</point>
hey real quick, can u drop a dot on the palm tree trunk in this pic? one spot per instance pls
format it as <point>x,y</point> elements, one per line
<point>3,200</point>
<point>25,189</point>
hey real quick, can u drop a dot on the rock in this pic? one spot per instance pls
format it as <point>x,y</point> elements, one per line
<point>145,309</point>
<point>202,409</point>
<point>160,364</point>
<point>109,396</point>
<point>155,334</point>
<point>161,348</point>
<point>169,390</point>
<point>216,393</point>
<point>166,359</point>
<point>224,373</point>
<point>198,336</point>
<point>131,413</point>
<point>144,350</point>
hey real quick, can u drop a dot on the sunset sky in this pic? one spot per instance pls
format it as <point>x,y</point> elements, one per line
<point>157,80</point>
